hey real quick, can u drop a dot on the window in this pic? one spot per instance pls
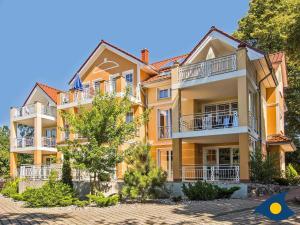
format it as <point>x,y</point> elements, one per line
<point>129,117</point>
<point>211,157</point>
<point>224,156</point>
<point>164,123</point>
<point>97,86</point>
<point>164,93</point>
<point>129,82</point>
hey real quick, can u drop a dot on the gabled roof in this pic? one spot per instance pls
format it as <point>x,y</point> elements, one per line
<point>51,92</point>
<point>214,29</point>
<point>281,139</point>
<point>102,42</point>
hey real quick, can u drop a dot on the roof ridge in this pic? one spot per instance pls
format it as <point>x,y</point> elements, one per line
<point>38,83</point>
<point>186,54</point>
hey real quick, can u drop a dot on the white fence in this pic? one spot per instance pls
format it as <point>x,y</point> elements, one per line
<point>49,142</point>
<point>211,173</point>
<point>34,172</point>
<point>208,68</point>
<point>206,121</point>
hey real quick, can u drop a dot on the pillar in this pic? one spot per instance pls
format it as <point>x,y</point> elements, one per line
<point>38,126</point>
<point>177,159</point>
<point>38,157</point>
<point>13,160</point>
<point>59,157</point>
<point>244,157</point>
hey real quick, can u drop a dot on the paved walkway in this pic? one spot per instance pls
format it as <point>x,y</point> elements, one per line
<point>234,211</point>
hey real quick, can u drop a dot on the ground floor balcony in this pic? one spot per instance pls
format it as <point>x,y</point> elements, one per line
<point>212,173</point>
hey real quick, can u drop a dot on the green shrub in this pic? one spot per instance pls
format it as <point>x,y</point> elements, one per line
<point>102,201</point>
<point>292,175</point>
<point>10,188</point>
<point>52,193</point>
<point>281,181</point>
<point>80,203</point>
<point>263,168</point>
<point>142,180</point>
<point>206,191</point>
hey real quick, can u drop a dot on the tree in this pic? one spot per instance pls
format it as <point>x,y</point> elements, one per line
<point>105,127</point>
<point>142,179</point>
<point>4,151</point>
<point>66,170</point>
<point>263,168</point>
<point>274,25</point>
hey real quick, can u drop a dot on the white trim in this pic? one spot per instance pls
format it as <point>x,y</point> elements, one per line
<point>98,52</point>
<point>158,89</point>
<point>217,35</point>
<point>212,132</point>
<point>44,93</point>
<point>210,79</point>
<point>157,84</point>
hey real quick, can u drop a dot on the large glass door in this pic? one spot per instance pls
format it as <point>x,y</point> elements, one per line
<point>165,161</point>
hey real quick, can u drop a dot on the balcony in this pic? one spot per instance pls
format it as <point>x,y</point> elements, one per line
<point>208,121</point>
<point>87,94</point>
<point>228,173</point>
<point>49,142</point>
<point>31,111</point>
<point>208,68</point>
<point>164,132</point>
<point>24,142</point>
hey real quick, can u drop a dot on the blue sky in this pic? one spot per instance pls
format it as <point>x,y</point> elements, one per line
<point>47,41</point>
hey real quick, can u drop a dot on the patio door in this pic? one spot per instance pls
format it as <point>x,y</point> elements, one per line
<point>165,161</point>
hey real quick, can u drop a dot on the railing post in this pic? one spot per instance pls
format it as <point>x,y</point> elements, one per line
<point>183,173</point>
<point>212,173</point>
<point>205,173</point>
<point>237,173</point>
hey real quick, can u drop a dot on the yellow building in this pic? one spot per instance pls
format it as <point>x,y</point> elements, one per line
<point>210,108</point>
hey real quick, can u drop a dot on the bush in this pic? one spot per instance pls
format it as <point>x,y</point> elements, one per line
<point>206,191</point>
<point>292,175</point>
<point>142,180</point>
<point>52,193</point>
<point>80,203</point>
<point>102,201</point>
<point>281,181</point>
<point>11,188</point>
<point>263,168</point>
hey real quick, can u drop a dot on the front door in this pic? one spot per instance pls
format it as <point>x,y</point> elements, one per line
<point>165,161</point>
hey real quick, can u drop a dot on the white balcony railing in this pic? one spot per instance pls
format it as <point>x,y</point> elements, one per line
<point>24,142</point>
<point>208,68</point>
<point>49,142</point>
<point>164,132</point>
<point>26,110</point>
<point>49,110</point>
<point>207,121</point>
<point>64,98</point>
<point>36,172</point>
<point>211,173</point>
<point>42,172</point>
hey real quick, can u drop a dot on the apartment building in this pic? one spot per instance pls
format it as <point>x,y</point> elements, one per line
<point>210,108</point>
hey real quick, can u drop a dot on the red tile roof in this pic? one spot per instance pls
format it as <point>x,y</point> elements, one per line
<point>161,64</point>
<point>50,91</point>
<point>278,138</point>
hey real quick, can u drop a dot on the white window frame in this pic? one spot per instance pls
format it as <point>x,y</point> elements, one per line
<point>169,122</point>
<point>111,78</point>
<point>97,80</point>
<point>162,89</point>
<point>217,149</point>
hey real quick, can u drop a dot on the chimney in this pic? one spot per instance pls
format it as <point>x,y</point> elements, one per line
<point>145,55</point>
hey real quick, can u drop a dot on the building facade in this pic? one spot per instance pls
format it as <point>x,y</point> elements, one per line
<point>210,108</point>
